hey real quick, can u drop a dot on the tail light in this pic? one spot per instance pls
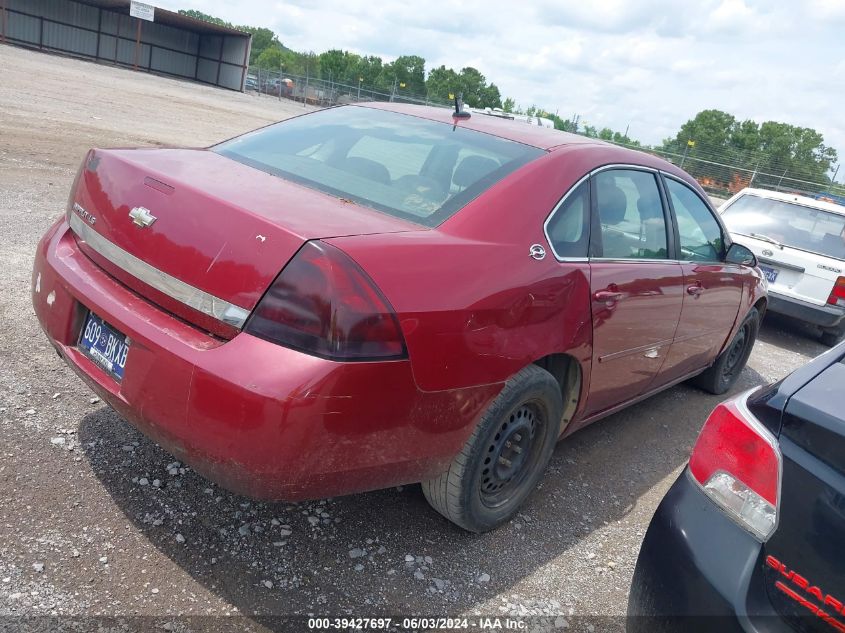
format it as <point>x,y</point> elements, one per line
<point>322,303</point>
<point>737,462</point>
<point>837,295</point>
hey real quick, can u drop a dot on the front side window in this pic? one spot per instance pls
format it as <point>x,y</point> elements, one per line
<point>403,165</point>
<point>630,215</point>
<point>701,238</point>
<point>568,228</point>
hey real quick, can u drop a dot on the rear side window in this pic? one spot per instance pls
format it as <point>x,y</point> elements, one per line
<point>795,225</point>
<point>568,227</point>
<point>406,166</point>
<point>630,215</point>
<point>700,235</point>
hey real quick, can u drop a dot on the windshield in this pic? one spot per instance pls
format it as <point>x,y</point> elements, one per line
<point>794,225</point>
<point>403,165</point>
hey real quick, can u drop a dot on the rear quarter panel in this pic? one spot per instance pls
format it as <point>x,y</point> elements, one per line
<point>474,307</point>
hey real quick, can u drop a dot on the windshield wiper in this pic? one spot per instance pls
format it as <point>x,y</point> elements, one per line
<point>768,239</point>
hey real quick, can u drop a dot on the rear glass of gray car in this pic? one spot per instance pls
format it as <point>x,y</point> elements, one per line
<point>409,167</point>
<point>795,225</point>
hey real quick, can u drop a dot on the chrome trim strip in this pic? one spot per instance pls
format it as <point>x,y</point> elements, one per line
<point>174,288</point>
<point>635,350</point>
<point>774,262</point>
<point>637,260</point>
<point>625,166</point>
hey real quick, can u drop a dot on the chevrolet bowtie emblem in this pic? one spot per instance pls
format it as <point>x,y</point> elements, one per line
<point>142,217</point>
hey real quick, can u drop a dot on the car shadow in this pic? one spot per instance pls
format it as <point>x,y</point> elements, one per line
<point>799,336</point>
<point>271,559</point>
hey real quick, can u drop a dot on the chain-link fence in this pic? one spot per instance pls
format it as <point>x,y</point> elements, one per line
<point>323,92</point>
<point>721,177</point>
<point>719,174</point>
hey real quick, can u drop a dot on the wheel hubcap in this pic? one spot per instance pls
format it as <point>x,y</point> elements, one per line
<point>510,455</point>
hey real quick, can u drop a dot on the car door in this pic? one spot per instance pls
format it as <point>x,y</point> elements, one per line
<point>636,289</point>
<point>712,287</point>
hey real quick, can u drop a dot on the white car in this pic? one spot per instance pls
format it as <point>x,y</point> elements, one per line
<point>800,245</point>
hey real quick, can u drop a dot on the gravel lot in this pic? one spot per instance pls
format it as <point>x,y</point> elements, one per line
<point>97,520</point>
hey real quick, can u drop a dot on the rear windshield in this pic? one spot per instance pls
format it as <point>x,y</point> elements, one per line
<point>403,165</point>
<point>794,225</point>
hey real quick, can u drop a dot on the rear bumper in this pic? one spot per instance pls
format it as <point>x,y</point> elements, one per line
<point>257,418</point>
<point>826,316</point>
<point>698,571</point>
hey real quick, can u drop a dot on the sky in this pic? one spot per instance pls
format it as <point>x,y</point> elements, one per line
<point>647,64</point>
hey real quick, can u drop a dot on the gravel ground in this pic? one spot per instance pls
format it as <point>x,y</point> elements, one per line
<point>97,520</point>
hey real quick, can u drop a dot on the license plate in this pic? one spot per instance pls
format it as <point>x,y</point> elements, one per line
<point>104,345</point>
<point>770,273</point>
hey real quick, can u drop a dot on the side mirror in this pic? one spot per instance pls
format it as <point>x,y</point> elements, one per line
<point>739,254</point>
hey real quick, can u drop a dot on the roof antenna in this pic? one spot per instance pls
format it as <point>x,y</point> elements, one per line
<point>460,113</point>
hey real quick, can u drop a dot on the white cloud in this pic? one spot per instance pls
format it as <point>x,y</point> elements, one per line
<point>649,63</point>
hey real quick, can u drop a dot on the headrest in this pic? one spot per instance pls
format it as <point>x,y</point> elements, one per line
<point>472,169</point>
<point>367,168</point>
<point>612,204</point>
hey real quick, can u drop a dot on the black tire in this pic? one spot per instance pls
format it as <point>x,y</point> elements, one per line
<point>727,367</point>
<point>505,457</point>
<point>831,337</point>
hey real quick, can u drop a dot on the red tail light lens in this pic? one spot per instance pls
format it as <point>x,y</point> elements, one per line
<point>737,462</point>
<point>837,295</point>
<point>322,303</point>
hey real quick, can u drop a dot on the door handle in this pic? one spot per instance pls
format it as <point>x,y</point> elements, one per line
<point>607,295</point>
<point>695,289</point>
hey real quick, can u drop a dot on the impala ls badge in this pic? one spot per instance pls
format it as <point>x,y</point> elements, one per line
<point>537,251</point>
<point>82,213</point>
<point>142,217</point>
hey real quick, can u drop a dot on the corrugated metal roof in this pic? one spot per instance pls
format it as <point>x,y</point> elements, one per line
<point>170,18</point>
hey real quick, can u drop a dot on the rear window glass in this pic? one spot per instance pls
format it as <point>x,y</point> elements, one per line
<point>794,225</point>
<point>413,168</point>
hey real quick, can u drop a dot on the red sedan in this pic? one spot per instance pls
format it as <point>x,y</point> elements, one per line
<point>363,297</point>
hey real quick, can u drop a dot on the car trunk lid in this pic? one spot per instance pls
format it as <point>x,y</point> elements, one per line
<point>796,273</point>
<point>202,235</point>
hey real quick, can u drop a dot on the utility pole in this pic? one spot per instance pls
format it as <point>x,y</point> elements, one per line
<point>781,176</point>
<point>393,92</point>
<point>833,180</point>
<point>305,93</point>
<point>690,143</point>
<point>360,79</point>
<point>754,175</point>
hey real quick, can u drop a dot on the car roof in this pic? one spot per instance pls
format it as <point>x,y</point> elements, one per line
<point>535,135</point>
<point>796,198</point>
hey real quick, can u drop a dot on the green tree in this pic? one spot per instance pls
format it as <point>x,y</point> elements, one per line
<point>199,15</point>
<point>271,58</point>
<point>408,70</point>
<point>335,65</point>
<point>262,39</point>
<point>442,82</point>
<point>709,129</point>
<point>508,105</point>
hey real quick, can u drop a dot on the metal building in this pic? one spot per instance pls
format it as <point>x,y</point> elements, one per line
<point>103,30</point>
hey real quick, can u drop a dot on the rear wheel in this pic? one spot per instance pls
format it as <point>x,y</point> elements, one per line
<point>729,365</point>
<point>505,457</point>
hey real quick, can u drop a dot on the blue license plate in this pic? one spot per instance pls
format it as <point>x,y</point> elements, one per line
<point>770,273</point>
<point>104,345</point>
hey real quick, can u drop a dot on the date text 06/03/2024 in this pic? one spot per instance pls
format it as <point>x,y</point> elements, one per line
<point>416,623</point>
